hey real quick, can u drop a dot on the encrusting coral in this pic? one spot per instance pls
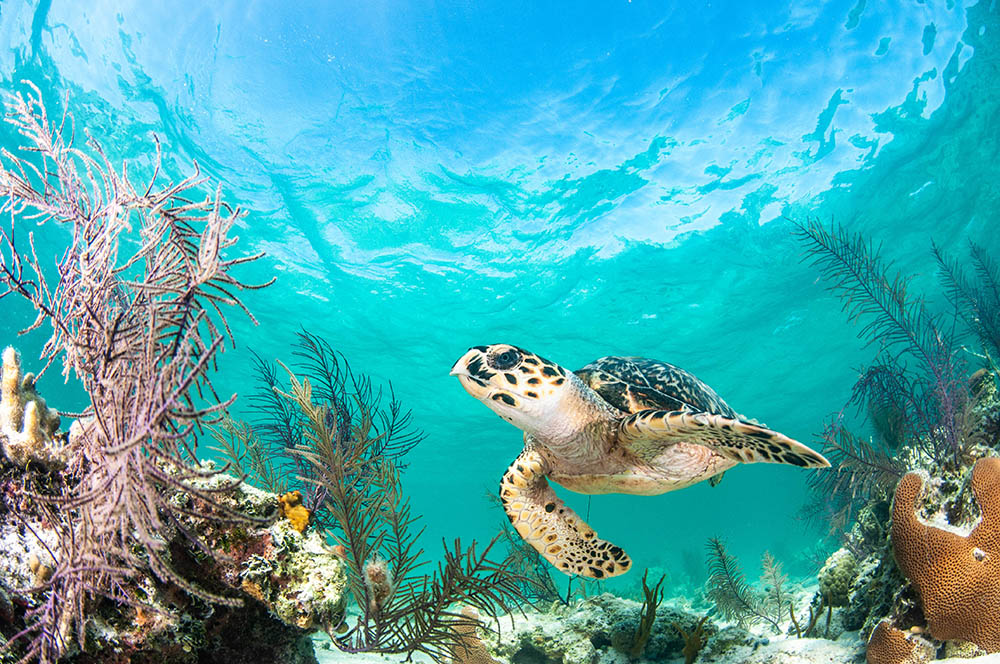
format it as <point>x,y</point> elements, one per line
<point>955,576</point>
<point>27,426</point>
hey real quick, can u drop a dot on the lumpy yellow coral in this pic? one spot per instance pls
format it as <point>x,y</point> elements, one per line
<point>27,425</point>
<point>955,576</point>
<point>294,510</point>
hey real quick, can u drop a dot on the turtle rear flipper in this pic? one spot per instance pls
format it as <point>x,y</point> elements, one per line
<point>553,529</point>
<point>647,432</point>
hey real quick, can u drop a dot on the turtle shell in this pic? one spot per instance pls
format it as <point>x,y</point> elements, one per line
<point>631,384</point>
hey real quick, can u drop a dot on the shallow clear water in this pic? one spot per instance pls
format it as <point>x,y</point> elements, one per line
<point>580,181</point>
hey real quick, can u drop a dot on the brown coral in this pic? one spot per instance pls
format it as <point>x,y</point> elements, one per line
<point>889,645</point>
<point>294,510</point>
<point>955,576</point>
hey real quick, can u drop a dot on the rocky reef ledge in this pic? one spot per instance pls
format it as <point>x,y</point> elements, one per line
<point>290,584</point>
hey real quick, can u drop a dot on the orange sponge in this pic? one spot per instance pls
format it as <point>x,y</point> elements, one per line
<point>956,577</point>
<point>294,510</point>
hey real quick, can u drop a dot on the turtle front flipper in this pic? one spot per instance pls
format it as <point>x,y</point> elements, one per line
<point>647,432</point>
<point>556,531</point>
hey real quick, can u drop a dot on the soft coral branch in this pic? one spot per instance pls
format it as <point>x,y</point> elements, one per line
<point>136,314</point>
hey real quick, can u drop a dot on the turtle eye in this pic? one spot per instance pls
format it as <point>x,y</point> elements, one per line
<point>505,360</point>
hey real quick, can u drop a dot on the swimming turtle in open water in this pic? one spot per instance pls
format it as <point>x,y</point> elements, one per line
<point>618,425</point>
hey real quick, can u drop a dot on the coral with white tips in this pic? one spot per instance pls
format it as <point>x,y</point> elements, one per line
<point>27,426</point>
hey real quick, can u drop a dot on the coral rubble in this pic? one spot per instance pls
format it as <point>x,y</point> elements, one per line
<point>956,577</point>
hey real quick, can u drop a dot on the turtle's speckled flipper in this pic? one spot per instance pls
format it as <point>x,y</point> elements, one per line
<point>556,531</point>
<point>647,432</point>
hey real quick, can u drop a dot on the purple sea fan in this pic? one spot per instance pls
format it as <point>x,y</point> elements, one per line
<point>137,315</point>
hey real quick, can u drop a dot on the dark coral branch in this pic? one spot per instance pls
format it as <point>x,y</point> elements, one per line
<point>401,610</point>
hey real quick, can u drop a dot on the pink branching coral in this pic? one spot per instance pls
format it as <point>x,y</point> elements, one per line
<point>136,314</point>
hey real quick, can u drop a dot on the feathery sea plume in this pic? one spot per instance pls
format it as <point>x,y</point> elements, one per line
<point>914,392</point>
<point>402,611</point>
<point>137,313</point>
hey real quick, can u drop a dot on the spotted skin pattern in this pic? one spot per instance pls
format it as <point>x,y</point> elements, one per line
<point>551,527</point>
<point>618,425</point>
<point>645,433</point>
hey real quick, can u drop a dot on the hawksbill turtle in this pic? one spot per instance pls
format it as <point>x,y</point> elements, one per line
<point>618,425</point>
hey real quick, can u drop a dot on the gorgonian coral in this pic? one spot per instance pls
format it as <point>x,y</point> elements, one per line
<point>136,311</point>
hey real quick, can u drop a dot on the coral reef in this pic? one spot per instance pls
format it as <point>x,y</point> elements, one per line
<point>836,577</point>
<point>889,645</point>
<point>290,584</point>
<point>954,576</point>
<point>599,628</point>
<point>135,307</point>
<point>27,425</point>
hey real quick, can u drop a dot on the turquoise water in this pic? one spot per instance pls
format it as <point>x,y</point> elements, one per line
<point>579,181</point>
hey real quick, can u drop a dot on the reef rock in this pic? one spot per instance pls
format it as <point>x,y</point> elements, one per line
<point>290,583</point>
<point>598,629</point>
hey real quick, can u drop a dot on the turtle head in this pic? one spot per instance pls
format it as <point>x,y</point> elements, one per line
<point>519,386</point>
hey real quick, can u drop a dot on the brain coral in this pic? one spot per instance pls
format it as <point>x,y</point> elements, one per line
<point>889,645</point>
<point>955,576</point>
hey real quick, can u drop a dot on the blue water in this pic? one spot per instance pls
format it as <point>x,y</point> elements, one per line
<point>578,180</point>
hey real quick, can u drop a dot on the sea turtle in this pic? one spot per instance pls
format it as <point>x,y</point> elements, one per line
<point>618,425</point>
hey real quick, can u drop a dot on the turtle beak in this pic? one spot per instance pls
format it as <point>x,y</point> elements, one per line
<point>461,367</point>
<point>466,370</point>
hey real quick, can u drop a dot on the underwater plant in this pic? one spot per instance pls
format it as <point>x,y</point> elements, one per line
<point>929,397</point>
<point>914,392</point>
<point>401,611</point>
<point>652,597</point>
<point>268,450</point>
<point>977,300</point>
<point>694,640</point>
<point>137,313</point>
<point>734,597</point>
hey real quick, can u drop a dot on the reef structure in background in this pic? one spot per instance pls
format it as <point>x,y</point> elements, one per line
<point>935,417</point>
